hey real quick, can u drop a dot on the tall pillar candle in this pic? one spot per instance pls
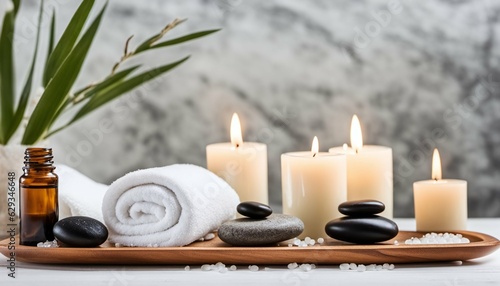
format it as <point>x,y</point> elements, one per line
<point>369,170</point>
<point>243,165</point>
<point>440,204</point>
<point>313,185</point>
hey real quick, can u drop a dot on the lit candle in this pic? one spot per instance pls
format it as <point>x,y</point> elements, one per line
<point>440,205</point>
<point>241,164</point>
<point>369,170</point>
<point>314,184</point>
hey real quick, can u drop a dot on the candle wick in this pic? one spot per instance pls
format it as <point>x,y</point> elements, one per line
<point>237,145</point>
<point>314,155</point>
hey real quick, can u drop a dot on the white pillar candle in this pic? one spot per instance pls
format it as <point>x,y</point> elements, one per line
<point>243,165</point>
<point>314,184</point>
<point>440,205</point>
<point>369,170</point>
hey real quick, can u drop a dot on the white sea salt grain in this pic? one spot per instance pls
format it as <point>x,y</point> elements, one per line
<point>391,267</point>
<point>385,266</point>
<point>361,268</point>
<point>290,245</point>
<point>378,267</point>
<point>370,267</point>
<point>206,267</point>
<point>321,240</point>
<point>353,266</point>
<point>223,270</point>
<point>233,268</point>
<point>396,242</point>
<point>305,267</point>
<point>293,265</point>
<point>187,268</point>
<point>209,236</point>
<point>344,266</point>
<point>253,268</point>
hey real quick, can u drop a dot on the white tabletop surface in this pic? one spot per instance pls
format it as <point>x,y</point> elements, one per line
<point>483,271</point>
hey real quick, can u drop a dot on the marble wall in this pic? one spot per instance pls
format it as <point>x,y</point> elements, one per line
<point>419,74</point>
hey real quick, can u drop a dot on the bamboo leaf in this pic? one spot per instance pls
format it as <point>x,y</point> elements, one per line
<point>89,92</point>
<point>183,39</point>
<point>52,36</point>
<point>67,41</point>
<point>17,4</point>
<point>7,80</point>
<point>25,94</point>
<point>58,88</point>
<point>120,88</point>
<point>147,43</point>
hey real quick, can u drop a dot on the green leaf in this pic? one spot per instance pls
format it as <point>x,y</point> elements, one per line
<point>183,39</point>
<point>52,36</point>
<point>110,80</point>
<point>120,88</point>
<point>25,94</point>
<point>89,92</point>
<point>17,4</point>
<point>147,43</point>
<point>67,41</point>
<point>58,88</point>
<point>7,73</point>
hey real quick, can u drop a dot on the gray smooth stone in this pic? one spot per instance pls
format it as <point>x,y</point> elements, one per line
<point>362,230</point>
<point>80,231</point>
<point>361,207</point>
<point>256,232</point>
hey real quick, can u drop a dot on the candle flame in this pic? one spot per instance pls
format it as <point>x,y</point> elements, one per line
<point>356,135</point>
<point>315,146</point>
<point>236,137</point>
<point>436,165</point>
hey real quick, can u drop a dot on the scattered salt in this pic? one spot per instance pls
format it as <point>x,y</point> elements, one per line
<point>206,267</point>
<point>362,267</point>
<point>438,238</point>
<point>321,240</point>
<point>187,268</point>
<point>267,268</point>
<point>232,268</point>
<point>48,244</point>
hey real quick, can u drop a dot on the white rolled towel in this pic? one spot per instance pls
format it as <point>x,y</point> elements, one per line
<point>168,206</point>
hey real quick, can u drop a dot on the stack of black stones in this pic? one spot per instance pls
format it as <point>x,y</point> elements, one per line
<point>361,224</point>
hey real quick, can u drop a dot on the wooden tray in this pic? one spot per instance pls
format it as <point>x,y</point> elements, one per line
<point>331,252</point>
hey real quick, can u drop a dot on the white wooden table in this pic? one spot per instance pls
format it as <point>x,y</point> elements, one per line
<point>483,271</point>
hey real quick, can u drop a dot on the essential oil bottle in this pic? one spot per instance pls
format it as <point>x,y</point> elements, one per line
<point>39,209</point>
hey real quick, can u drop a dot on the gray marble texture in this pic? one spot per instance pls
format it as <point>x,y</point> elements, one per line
<point>419,74</point>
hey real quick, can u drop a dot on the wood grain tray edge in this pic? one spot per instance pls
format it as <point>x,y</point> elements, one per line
<point>331,252</point>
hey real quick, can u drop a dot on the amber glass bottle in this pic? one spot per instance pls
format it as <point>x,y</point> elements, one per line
<point>39,209</point>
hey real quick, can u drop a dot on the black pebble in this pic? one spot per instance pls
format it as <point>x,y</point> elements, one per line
<point>364,230</point>
<point>80,231</point>
<point>361,208</point>
<point>254,210</point>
